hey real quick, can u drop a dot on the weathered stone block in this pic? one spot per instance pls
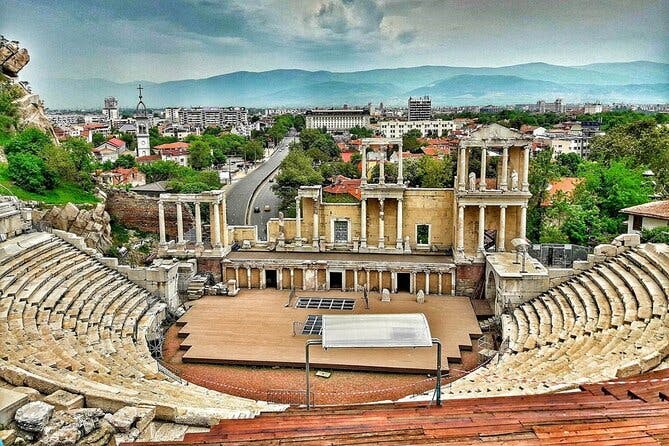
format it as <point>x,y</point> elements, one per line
<point>33,417</point>
<point>10,401</point>
<point>63,400</point>
<point>607,250</point>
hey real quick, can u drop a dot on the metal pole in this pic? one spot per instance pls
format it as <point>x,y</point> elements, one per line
<point>307,344</point>
<point>438,389</point>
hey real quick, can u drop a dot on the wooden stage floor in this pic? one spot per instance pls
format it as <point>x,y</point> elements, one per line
<point>254,328</point>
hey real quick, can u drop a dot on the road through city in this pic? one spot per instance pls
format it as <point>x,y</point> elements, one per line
<point>255,186</point>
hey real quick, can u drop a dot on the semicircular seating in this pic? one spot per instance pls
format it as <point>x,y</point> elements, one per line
<point>69,322</point>
<point>608,322</point>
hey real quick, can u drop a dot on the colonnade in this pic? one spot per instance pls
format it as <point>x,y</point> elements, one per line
<point>503,176</point>
<point>218,234</point>
<point>501,233</point>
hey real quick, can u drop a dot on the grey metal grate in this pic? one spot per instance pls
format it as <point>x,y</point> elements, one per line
<point>313,325</point>
<point>320,303</point>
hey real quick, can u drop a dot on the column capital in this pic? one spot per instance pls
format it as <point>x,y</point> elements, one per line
<point>461,206</point>
<point>482,206</point>
<point>523,206</point>
<point>503,206</point>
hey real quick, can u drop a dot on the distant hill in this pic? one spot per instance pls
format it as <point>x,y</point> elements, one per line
<point>642,81</point>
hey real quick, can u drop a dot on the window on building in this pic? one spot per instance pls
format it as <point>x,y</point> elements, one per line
<point>423,234</point>
<point>341,231</point>
<point>637,223</point>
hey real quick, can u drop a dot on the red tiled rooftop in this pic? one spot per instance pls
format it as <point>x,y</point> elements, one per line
<point>566,185</point>
<point>116,142</point>
<point>147,159</point>
<point>344,185</point>
<point>173,145</point>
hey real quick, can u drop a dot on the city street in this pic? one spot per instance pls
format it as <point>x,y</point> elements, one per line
<point>241,192</point>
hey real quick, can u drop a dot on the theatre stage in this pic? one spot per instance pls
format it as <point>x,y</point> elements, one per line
<point>255,328</point>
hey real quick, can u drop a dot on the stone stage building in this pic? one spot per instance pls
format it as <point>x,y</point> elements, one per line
<point>395,237</point>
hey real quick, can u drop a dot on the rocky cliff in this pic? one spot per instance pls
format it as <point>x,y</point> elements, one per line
<point>12,57</point>
<point>92,225</point>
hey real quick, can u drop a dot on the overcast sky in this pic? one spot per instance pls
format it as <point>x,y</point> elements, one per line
<point>177,39</point>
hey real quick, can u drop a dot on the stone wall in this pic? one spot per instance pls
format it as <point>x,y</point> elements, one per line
<point>467,277</point>
<point>140,212</point>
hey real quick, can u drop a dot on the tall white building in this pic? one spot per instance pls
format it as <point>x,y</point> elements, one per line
<point>336,120</point>
<point>420,109</point>
<point>110,109</point>
<point>203,117</point>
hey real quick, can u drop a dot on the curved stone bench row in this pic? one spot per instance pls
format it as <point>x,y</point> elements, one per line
<point>609,321</point>
<point>69,322</point>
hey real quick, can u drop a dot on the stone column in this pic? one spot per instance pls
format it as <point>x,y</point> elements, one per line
<point>327,279</point>
<point>363,223</point>
<point>263,278</point>
<point>380,280</point>
<point>180,224</point>
<point>161,222</point>
<point>481,246</point>
<point>412,285</point>
<point>462,175</point>
<point>400,166</point>
<point>367,284</point>
<point>315,237</point>
<point>526,169</point>
<point>298,219</point>
<point>343,280</point>
<point>461,228</point>
<point>382,234</point>
<point>216,227</point>
<point>304,279</point>
<point>363,152</point>
<point>198,224</point>
<point>482,185</point>
<point>382,172</point>
<point>504,177</point>
<point>523,221</point>
<point>237,275</point>
<point>452,283</point>
<point>248,277</point>
<point>292,278</point>
<point>279,279</point>
<point>440,280</point>
<point>427,283</point>
<point>400,237</point>
<point>355,280</point>
<point>393,282</point>
<point>501,236</point>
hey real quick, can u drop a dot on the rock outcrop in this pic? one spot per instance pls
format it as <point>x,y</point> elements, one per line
<point>12,57</point>
<point>93,226</point>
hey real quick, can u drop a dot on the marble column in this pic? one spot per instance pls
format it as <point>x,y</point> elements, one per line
<point>462,174</point>
<point>461,228</point>
<point>237,275</point>
<point>198,224</point>
<point>327,279</point>
<point>343,280</point>
<point>367,284</point>
<point>263,278</point>
<point>161,222</point>
<point>482,185</point>
<point>393,282</point>
<point>523,221</point>
<point>400,222</point>
<point>248,277</point>
<point>504,177</point>
<point>355,280</point>
<point>279,278</point>
<point>400,165</point>
<point>180,224</point>
<point>363,177</point>
<point>363,223</point>
<point>304,279</point>
<point>382,235</point>
<point>440,285</point>
<point>315,237</point>
<point>501,235</point>
<point>414,283</point>
<point>452,283</point>
<point>382,172</point>
<point>298,219</point>
<point>380,280</point>
<point>292,278</point>
<point>427,283</point>
<point>526,169</point>
<point>481,245</point>
<point>216,227</point>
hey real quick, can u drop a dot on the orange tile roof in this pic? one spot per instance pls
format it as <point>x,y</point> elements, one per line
<point>173,145</point>
<point>345,185</point>
<point>567,185</point>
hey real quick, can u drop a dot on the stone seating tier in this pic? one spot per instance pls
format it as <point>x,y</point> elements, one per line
<point>69,322</point>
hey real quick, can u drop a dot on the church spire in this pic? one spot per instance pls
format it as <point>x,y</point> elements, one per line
<point>140,110</point>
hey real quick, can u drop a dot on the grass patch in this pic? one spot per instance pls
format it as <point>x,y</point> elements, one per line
<point>61,194</point>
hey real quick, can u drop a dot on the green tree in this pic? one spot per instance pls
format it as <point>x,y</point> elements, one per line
<point>542,172</point>
<point>98,138</point>
<point>125,161</point>
<point>79,151</point>
<point>29,172</point>
<point>295,170</point>
<point>253,150</point>
<point>199,155</point>
<point>358,132</point>
<point>410,141</point>
<point>568,164</point>
<point>30,140</point>
<point>332,169</point>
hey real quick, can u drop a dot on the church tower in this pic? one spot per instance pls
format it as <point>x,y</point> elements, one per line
<point>142,126</point>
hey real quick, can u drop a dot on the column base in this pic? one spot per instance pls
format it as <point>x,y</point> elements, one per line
<point>363,243</point>
<point>399,244</point>
<point>382,244</point>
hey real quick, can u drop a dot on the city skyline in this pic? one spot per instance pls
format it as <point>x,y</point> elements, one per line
<point>127,41</point>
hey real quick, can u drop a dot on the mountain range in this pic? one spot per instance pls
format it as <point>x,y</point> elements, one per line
<point>637,82</point>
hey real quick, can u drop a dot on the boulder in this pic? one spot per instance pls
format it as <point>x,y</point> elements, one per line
<point>33,417</point>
